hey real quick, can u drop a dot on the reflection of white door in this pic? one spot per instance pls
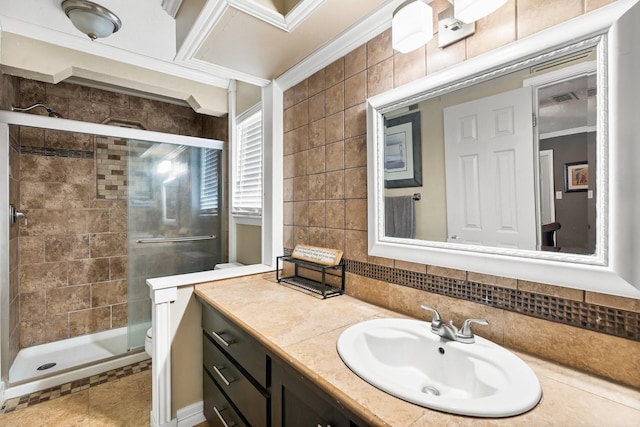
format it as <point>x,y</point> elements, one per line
<point>547,188</point>
<point>489,171</point>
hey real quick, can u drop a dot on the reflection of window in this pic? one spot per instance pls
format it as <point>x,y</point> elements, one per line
<point>209,183</point>
<point>170,200</point>
<point>247,189</point>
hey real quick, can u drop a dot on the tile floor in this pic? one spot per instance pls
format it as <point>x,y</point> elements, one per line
<point>118,398</point>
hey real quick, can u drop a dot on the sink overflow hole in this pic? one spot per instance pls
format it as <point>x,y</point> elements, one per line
<point>46,366</point>
<point>441,350</point>
<point>431,390</point>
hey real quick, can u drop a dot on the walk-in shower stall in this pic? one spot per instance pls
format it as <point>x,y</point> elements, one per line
<point>90,212</point>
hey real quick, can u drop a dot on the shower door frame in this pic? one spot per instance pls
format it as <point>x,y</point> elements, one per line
<point>4,258</point>
<point>44,122</point>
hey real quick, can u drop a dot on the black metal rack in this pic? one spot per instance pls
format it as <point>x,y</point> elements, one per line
<point>319,287</point>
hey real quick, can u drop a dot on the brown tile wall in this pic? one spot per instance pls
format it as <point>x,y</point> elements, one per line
<point>73,249</point>
<point>325,185</point>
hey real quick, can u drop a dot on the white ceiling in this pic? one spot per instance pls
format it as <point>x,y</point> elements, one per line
<point>190,58</point>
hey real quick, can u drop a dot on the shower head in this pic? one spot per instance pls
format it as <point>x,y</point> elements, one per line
<point>51,113</point>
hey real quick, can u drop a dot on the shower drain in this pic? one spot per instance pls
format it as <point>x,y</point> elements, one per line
<point>46,366</point>
<point>431,390</point>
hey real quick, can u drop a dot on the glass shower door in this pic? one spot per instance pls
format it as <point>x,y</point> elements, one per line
<point>174,220</point>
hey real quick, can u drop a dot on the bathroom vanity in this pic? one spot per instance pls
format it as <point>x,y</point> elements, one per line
<point>244,383</point>
<point>290,369</point>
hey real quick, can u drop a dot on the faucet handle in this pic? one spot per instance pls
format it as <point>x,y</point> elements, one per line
<point>465,334</point>
<point>436,321</point>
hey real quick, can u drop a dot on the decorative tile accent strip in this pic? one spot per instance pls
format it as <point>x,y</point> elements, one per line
<point>27,400</point>
<point>607,320</point>
<point>56,152</point>
<point>111,168</point>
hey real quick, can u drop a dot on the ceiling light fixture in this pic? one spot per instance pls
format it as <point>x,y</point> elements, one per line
<point>91,18</point>
<point>411,26</point>
<point>469,11</point>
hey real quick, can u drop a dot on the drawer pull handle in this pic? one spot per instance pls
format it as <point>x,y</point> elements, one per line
<point>218,371</point>
<point>224,423</point>
<point>220,337</point>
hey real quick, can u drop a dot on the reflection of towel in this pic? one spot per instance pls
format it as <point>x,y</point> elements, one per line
<point>399,217</point>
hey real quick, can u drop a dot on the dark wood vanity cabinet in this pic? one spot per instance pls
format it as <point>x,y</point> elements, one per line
<point>236,374</point>
<point>217,409</point>
<point>245,385</point>
<point>296,402</point>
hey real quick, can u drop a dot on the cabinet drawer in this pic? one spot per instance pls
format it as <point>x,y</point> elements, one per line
<point>252,403</point>
<point>217,410</point>
<point>237,343</point>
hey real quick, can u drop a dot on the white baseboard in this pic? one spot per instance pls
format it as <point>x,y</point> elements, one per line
<point>191,415</point>
<point>155,423</point>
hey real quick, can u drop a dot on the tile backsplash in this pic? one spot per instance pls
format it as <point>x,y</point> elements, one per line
<point>325,202</point>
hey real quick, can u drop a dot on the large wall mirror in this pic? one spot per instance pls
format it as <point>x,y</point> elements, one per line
<point>521,162</point>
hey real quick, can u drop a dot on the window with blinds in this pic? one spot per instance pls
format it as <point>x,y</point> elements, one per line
<point>209,163</point>
<point>247,194</point>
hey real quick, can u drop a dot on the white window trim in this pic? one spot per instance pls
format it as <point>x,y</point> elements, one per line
<point>273,163</point>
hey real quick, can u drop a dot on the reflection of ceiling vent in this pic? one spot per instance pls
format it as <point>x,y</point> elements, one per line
<point>564,97</point>
<point>592,92</point>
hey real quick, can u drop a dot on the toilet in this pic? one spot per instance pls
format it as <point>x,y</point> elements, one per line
<point>148,342</point>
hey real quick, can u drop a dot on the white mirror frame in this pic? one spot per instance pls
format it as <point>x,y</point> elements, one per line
<point>615,268</point>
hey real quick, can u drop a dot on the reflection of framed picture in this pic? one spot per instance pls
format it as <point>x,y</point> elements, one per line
<point>402,151</point>
<point>576,176</point>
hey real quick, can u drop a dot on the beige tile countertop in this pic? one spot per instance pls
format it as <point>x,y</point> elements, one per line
<point>303,329</point>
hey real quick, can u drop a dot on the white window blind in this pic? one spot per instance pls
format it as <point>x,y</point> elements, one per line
<point>247,194</point>
<point>209,164</point>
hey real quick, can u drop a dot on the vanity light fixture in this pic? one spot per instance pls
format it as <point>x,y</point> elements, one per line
<point>91,18</point>
<point>412,25</point>
<point>458,21</point>
<point>469,11</point>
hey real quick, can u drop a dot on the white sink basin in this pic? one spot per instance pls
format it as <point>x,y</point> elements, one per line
<point>405,359</point>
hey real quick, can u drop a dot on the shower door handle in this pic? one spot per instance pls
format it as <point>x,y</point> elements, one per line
<point>175,239</point>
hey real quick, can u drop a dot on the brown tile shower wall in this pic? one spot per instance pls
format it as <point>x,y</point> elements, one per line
<point>73,249</point>
<point>325,193</point>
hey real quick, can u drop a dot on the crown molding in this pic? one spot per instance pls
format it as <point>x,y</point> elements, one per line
<point>261,12</point>
<point>300,12</point>
<point>211,15</point>
<point>171,6</point>
<point>213,11</point>
<point>207,19</point>
<point>353,37</point>
<point>209,68</point>
<point>286,22</point>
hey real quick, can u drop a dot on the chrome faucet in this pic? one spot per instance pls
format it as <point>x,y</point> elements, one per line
<point>448,331</point>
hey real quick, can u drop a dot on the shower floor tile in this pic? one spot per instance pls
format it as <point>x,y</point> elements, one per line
<point>129,386</point>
